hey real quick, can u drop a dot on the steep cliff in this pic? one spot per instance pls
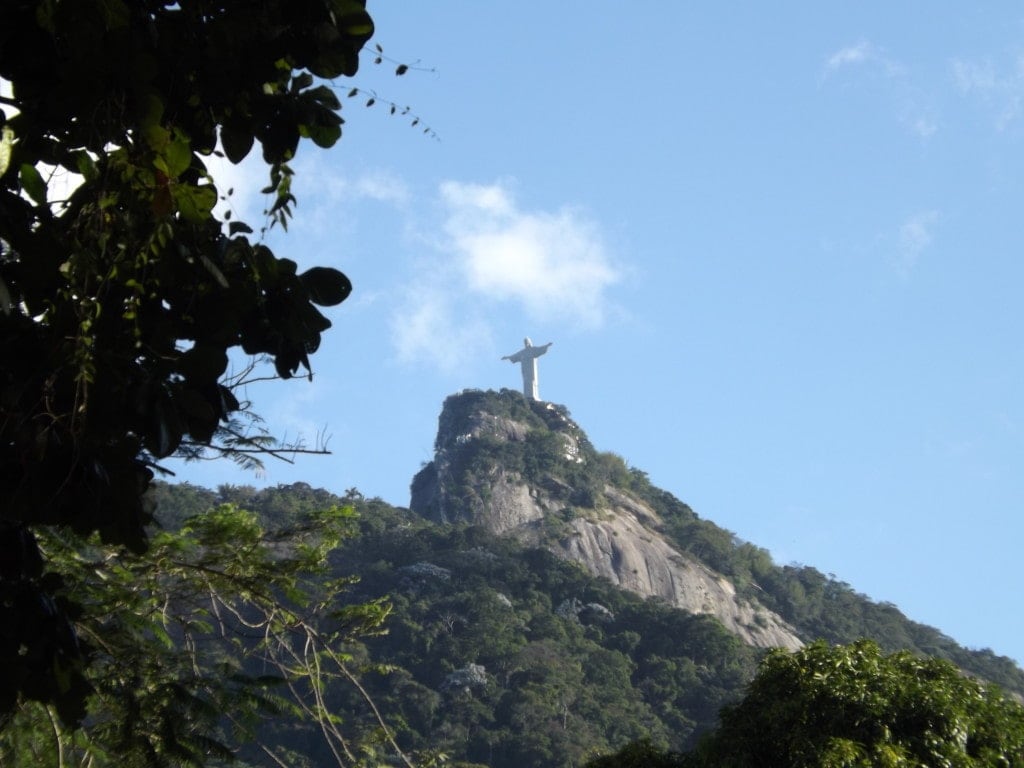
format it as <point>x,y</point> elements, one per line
<point>526,469</point>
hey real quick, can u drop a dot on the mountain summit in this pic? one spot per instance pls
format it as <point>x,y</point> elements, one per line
<point>525,469</point>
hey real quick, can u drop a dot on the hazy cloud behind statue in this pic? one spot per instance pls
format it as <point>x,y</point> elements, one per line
<point>553,266</point>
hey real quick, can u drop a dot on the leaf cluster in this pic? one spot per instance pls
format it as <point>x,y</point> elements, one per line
<point>193,644</point>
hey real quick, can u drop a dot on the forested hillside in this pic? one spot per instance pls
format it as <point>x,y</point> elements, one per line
<point>819,605</point>
<point>485,437</point>
<point>504,655</point>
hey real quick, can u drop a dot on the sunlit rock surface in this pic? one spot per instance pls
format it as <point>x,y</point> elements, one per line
<point>479,476</point>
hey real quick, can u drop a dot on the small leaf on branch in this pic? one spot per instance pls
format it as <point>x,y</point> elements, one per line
<point>282,202</point>
<point>85,164</point>
<point>353,92</point>
<point>401,69</point>
<point>194,203</point>
<point>301,81</point>
<point>371,102</point>
<point>326,286</point>
<point>379,48</point>
<point>6,142</point>
<point>325,97</point>
<point>32,183</point>
<point>177,156</point>
<point>236,142</point>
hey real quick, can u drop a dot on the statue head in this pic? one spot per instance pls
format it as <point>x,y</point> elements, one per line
<point>527,342</point>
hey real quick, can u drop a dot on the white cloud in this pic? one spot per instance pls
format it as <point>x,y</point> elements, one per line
<point>852,54</point>
<point>915,235</point>
<point>863,53</point>
<point>327,197</point>
<point>318,187</point>
<point>920,125</point>
<point>554,265</point>
<point>320,183</point>
<point>1001,90</point>
<point>493,256</point>
<point>492,199</point>
<point>431,329</point>
<point>971,76</point>
<point>888,78</point>
<point>381,186</point>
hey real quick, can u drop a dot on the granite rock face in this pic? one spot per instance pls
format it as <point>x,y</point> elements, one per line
<point>521,469</point>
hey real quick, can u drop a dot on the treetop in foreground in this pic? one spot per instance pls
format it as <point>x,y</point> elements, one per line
<point>853,706</point>
<point>121,297</point>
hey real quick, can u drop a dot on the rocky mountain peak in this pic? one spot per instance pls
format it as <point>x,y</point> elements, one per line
<point>525,469</point>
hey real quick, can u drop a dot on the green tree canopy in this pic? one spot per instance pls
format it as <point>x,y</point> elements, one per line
<point>853,706</point>
<point>219,629</point>
<point>120,302</point>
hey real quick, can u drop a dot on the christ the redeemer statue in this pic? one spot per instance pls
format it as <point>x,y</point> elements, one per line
<point>527,359</point>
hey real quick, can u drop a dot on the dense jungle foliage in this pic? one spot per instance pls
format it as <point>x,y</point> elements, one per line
<point>505,656</point>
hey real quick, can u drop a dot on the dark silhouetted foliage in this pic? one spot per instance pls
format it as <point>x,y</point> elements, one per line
<point>120,301</point>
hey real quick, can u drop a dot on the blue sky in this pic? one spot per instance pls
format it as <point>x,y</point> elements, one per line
<point>777,250</point>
